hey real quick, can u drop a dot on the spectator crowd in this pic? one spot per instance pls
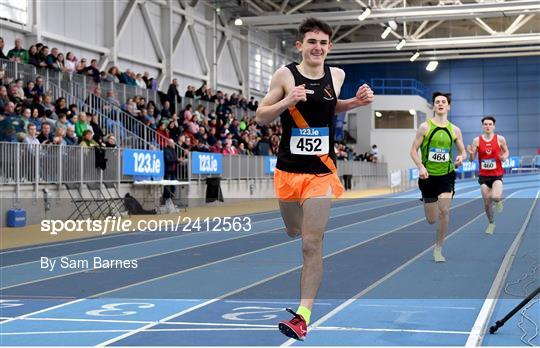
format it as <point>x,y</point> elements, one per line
<point>29,114</point>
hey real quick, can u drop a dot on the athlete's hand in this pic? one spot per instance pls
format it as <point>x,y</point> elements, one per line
<point>503,158</point>
<point>470,149</point>
<point>364,95</point>
<point>422,172</point>
<point>297,94</point>
<point>459,161</point>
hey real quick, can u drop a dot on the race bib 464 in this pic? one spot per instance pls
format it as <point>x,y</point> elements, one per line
<point>439,155</point>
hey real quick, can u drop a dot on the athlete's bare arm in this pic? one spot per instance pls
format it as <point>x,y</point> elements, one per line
<point>417,142</point>
<point>504,148</point>
<point>364,95</point>
<point>473,149</point>
<point>460,146</point>
<point>274,103</point>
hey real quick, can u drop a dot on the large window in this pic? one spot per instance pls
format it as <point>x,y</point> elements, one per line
<point>261,68</point>
<point>394,119</point>
<point>14,10</point>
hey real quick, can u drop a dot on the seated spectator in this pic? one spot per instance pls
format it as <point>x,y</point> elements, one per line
<point>111,99</point>
<point>42,57</point>
<point>31,137</point>
<point>26,114</point>
<point>113,75</point>
<point>60,106</point>
<point>52,58</point>
<point>38,86</point>
<point>228,148</point>
<point>2,55</point>
<point>92,70</point>
<point>35,119</point>
<point>87,140</point>
<point>81,125</point>
<point>19,91</point>
<point>140,82</point>
<point>166,111</point>
<point>33,56</point>
<point>374,154</point>
<point>62,121</point>
<point>48,106</point>
<point>96,129</point>
<point>70,63</point>
<point>18,54</point>
<point>59,65</point>
<point>163,135</point>
<point>45,136</point>
<point>81,66</point>
<point>28,93</point>
<point>146,79</point>
<point>190,92</point>
<point>59,137</point>
<point>4,98</point>
<point>70,137</point>
<point>174,130</point>
<point>110,141</point>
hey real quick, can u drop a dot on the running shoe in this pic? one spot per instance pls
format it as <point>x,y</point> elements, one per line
<point>499,206</point>
<point>295,328</point>
<point>490,229</point>
<point>437,255</point>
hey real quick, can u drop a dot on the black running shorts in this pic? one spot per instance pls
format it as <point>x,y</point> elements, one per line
<point>489,180</point>
<point>433,186</point>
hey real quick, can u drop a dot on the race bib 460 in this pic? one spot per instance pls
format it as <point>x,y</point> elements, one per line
<point>488,164</point>
<point>309,141</point>
<point>439,155</point>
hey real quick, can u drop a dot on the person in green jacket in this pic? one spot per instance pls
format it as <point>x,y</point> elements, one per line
<point>435,139</point>
<point>81,125</point>
<point>18,54</point>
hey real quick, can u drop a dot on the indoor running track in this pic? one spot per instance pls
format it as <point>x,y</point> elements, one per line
<point>380,286</point>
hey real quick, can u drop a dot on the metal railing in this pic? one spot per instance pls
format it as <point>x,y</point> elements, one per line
<point>87,83</point>
<point>127,130</point>
<point>244,167</point>
<point>57,164</point>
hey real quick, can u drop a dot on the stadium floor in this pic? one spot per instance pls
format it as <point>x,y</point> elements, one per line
<point>207,288</point>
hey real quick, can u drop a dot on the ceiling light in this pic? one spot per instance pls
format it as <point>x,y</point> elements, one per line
<point>414,56</point>
<point>412,112</point>
<point>432,65</point>
<point>364,14</point>
<point>238,21</point>
<point>378,114</point>
<point>401,44</point>
<point>386,32</point>
<point>392,25</point>
<point>218,10</point>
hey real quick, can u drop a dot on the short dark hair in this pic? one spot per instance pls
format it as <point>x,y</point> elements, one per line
<point>448,96</point>
<point>490,118</point>
<point>312,24</point>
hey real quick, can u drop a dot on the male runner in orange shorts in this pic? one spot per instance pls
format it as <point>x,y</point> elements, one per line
<point>305,97</point>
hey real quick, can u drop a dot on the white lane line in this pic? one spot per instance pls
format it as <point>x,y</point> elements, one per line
<point>204,304</point>
<point>274,302</point>
<point>250,253</point>
<point>158,240</point>
<point>347,303</point>
<point>214,329</point>
<point>24,316</point>
<point>480,325</point>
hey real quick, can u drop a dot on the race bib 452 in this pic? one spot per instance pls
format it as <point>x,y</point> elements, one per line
<point>310,141</point>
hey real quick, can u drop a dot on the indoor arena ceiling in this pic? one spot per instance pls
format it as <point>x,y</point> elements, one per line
<point>441,29</point>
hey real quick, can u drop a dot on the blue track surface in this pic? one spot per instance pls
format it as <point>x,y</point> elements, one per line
<point>380,286</point>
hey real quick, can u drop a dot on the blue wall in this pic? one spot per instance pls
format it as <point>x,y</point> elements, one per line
<point>507,88</point>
